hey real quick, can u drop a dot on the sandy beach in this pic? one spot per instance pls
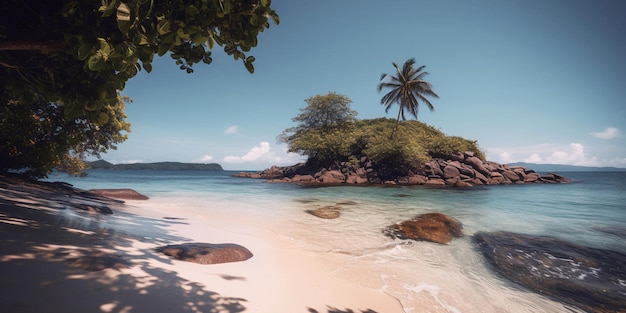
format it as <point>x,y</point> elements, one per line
<point>60,253</point>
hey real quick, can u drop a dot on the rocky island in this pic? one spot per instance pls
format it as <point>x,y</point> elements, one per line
<point>463,169</point>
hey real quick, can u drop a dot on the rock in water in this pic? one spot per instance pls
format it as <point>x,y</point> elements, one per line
<point>206,253</point>
<point>435,227</point>
<point>123,193</point>
<point>592,279</point>
<point>327,212</point>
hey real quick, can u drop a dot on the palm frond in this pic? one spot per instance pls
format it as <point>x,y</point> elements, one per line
<point>408,89</point>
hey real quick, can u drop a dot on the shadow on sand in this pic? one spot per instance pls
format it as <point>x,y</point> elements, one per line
<point>55,257</point>
<point>336,310</point>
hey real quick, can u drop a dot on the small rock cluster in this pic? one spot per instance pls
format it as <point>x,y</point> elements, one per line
<point>457,170</point>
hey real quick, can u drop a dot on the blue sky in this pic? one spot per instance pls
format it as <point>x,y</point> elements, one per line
<point>536,81</point>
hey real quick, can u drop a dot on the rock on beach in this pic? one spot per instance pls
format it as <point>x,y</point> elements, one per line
<point>207,253</point>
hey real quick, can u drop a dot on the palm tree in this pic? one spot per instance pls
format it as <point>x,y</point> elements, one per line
<point>408,89</point>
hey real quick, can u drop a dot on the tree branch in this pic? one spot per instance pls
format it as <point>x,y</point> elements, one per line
<point>31,46</point>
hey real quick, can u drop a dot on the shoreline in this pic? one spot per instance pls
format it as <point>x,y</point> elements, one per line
<point>59,257</point>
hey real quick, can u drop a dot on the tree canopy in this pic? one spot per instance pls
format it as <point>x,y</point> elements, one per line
<point>36,137</point>
<point>80,53</point>
<point>350,139</point>
<point>64,62</point>
<point>318,119</point>
<point>408,89</point>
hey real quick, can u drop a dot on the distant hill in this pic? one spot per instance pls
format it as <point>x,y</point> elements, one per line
<point>102,164</point>
<point>566,168</point>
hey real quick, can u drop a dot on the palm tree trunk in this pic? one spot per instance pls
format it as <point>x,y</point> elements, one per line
<point>397,124</point>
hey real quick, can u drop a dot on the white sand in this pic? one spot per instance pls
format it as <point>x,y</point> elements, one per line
<point>44,254</point>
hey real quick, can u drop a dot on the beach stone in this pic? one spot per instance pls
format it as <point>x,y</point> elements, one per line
<point>531,177</point>
<point>356,179</point>
<point>123,193</point>
<point>451,171</point>
<point>590,278</point>
<point>303,179</point>
<point>327,212</point>
<point>207,253</point>
<point>435,227</point>
<point>463,184</point>
<point>417,180</point>
<point>477,164</point>
<point>435,182</point>
<point>332,177</point>
<point>511,175</point>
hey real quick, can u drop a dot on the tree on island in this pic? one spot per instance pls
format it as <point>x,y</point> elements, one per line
<point>408,89</point>
<point>339,138</point>
<point>321,128</point>
<point>78,55</point>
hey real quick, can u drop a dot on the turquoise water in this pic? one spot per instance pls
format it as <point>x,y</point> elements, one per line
<point>590,211</point>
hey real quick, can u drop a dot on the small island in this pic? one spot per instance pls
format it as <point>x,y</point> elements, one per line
<point>342,149</point>
<point>176,166</point>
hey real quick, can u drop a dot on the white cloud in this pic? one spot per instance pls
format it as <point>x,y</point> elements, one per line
<point>127,161</point>
<point>533,158</point>
<point>263,153</point>
<point>505,157</point>
<point>232,130</point>
<point>206,158</point>
<point>607,133</point>
<point>571,154</point>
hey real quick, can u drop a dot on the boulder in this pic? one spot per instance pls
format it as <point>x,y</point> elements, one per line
<point>327,212</point>
<point>477,164</point>
<point>332,177</point>
<point>435,227</point>
<point>511,175</point>
<point>417,180</point>
<point>247,175</point>
<point>356,179</point>
<point>590,278</point>
<point>531,177</point>
<point>126,194</point>
<point>450,171</point>
<point>435,182</point>
<point>463,184</point>
<point>303,179</point>
<point>207,253</point>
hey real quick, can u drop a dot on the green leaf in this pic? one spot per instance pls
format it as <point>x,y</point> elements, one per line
<point>95,62</point>
<point>249,66</point>
<point>147,67</point>
<point>123,17</point>
<point>84,51</point>
<point>163,27</point>
<point>105,47</point>
<point>102,119</point>
<point>143,40</point>
<point>107,8</point>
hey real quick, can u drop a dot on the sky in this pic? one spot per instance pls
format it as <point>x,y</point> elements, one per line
<point>538,81</point>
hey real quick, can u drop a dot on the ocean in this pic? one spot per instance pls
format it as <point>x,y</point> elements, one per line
<point>590,211</point>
